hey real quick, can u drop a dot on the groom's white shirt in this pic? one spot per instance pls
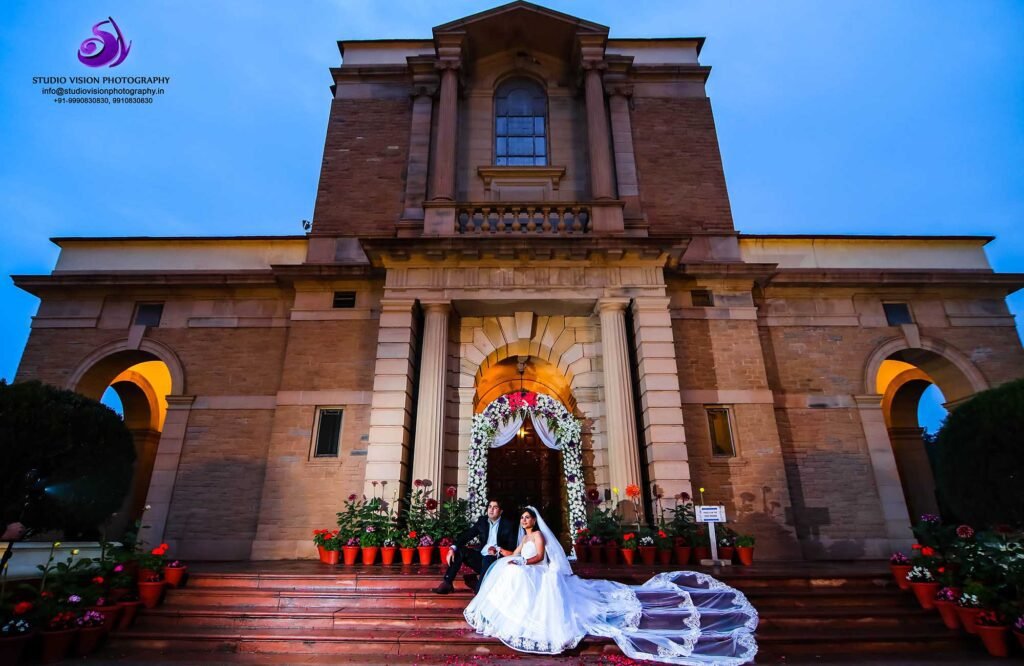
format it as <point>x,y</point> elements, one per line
<point>492,536</point>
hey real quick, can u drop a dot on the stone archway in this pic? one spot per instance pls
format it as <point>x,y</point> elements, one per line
<point>896,375</point>
<point>148,379</point>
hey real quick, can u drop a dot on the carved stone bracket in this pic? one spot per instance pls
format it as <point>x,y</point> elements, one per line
<point>531,174</point>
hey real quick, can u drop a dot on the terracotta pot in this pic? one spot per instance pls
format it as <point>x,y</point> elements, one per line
<point>426,554</point>
<point>682,555</point>
<point>349,554</point>
<point>995,639</point>
<point>745,555</point>
<point>331,557</point>
<point>150,593</point>
<point>967,617</point>
<point>664,557</point>
<point>647,555</point>
<point>611,553</point>
<point>442,552</point>
<point>596,554</point>
<point>701,553</point>
<point>628,554</point>
<point>407,555</point>
<point>174,575</point>
<point>56,644</point>
<point>726,553</point>
<point>118,593</point>
<point>369,554</point>
<point>387,555</point>
<point>899,573</point>
<point>947,610</point>
<point>129,609</point>
<point>89,639</point>
<point>1020,638</point>
<point>582,552</point>
<point>143,574</point>
<point>11,647</point>
<point>110,614</point>
<point>925,593</point>
<point>321,552</point>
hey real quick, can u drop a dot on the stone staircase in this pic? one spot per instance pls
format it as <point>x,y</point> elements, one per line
<point>388,615</point>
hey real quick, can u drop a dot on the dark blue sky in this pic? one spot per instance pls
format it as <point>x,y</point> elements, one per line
<point>833,117</point>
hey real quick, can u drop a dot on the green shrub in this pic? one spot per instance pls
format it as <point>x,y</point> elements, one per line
<point>82,450</point>
<point>980,465</point>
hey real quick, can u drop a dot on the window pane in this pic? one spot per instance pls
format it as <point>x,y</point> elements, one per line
<point>520,102</point>
<point>502,161</point>
<point>721,435</point>
<point>520,146</point>
<point>538,126</point>
<point>520,126</point>
<point>329,434</point>
<point>520,161</point>
<point>501,126</point>
<point>897,313</point>
<point>502,147</point>
<point>538,146</point>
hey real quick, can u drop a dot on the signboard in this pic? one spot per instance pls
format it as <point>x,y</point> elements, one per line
<point>710,514</point>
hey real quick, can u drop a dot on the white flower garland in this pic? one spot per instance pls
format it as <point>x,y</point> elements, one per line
<point>568,432</point>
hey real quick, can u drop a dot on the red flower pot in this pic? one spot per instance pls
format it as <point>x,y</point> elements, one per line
<point>110,615</point>
<point>582,552</point>
<point>370,554</point>
<point>665,557</point>
<point>967,617</point>
<point>925,593</point>
<point>349,554</point>
<point>426,554</point>
<point>322,553</point>
<point>174,575</point>
<point>145,574</point>
<point>331,557</point>
<point>899,573</point>
<point>647,555</point>
<point>118,593</point>
<point>701,553</point>
<point>726,553</point>
<point>745,555</point>
<point>611,553</point>
<point>56,644</point>
<point>596,554</point>
<point>11,647</point>
<point>1020,638</point>
<point>628,554</point>
<point>129,609</point>
<point>995,639</point>
<point>387,555</point>
<point>89,639</point>
<point>682,555</point>
<point>150,593</point>
<point>947,610</point>
<point>407,555</point>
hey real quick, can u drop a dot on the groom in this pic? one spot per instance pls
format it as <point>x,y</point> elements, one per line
<point>498,536</point>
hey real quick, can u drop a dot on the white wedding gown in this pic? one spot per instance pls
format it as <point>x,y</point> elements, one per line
<point>681,617</point>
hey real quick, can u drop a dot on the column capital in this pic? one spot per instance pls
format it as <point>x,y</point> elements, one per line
<point>612,305</point>
<point>180,401</point>
<point>423,90</point>
<point>436,306</point>
<point>869,401</point>
<point>397,304</point>
<point>592,65</point>
<point>651,303</point>
<point>620,90</point>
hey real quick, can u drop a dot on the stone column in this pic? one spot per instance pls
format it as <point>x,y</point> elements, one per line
<point>623,453</point>
<point>442,176</point>
<point>661,401</point>
<point>887,477</point>
<point>165,469</point>
<point>419,150</point>
<point>428,445</point>
<point>598,139</point>
<point>387,453</point>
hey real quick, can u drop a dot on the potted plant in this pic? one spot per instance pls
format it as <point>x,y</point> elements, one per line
<point>726,543</point>
<point>581,543</point>
<point>628,548</point>
<point>595,546</point>
<point>110,611</point>
<point>444,546</point>
<point>91,629</point>
<point>389,547</point>
<point>945,602</point>
<point>745,549</point>
<point>350,551</point>
<point>58,634</point>
<point>129,605</point>
<point>151,590</point>
<point>647,550</point>
<point>15,632</point>
<point>663,542</point>
<point>407,545</point>
<point>350,528</point>
<point>969,606</point>
<point>991,628</point>
<point>924,585</point>
<point>701,543</point>
<point>425,548</point>
<point>152,562</point>
<point>899,565</point>
<point>174,573</point>
<point>320,540</point>
<point>369,543</point>
<point>1018,629</point>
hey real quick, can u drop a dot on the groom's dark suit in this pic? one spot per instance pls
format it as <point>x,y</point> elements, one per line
<point>478,560</point>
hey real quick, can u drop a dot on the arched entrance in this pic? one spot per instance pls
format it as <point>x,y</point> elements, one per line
<point>525,472</point>
<point>901,375</point>
<point>141,380</point>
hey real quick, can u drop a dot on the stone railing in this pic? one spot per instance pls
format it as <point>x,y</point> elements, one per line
<point>541,219</point>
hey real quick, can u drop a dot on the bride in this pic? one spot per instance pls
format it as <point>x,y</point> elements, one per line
<point>532,602</point>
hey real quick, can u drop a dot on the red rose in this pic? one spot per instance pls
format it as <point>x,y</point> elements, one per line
<point>431,504</point>
<point>927,551</point>
<point>352,497</point>
<point>22,607</point>
<point>98,580</point>
<point>412,535</point>
<point>662,534</point>
<point>417,483</point>
<point>450,491</point>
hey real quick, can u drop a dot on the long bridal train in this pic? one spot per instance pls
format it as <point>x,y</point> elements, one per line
<point>679,617</point>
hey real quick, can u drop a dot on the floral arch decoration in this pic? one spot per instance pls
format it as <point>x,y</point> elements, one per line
<point>557,428</point>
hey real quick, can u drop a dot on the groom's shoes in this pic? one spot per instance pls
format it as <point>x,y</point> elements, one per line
<point>444,588</point>
<point>472,582</point>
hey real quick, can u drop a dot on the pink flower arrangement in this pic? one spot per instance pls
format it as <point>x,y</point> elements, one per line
<point>90,619</point>
<point>989,618</point>
<point>946,594</point>
<point>426,540</point>
<point>899,559</point>
<point>1018,626</point>
<point>965,531</point>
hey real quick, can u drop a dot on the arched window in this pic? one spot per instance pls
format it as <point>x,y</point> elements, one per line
<point>520,124</point>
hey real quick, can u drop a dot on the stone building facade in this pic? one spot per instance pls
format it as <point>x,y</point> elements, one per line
<point>521,201</point>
